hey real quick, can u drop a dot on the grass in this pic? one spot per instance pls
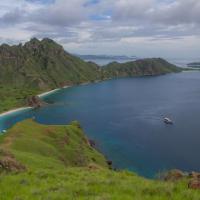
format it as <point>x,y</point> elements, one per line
<point>89,184</point>
<point>61,165</point>
<point>51,147</point>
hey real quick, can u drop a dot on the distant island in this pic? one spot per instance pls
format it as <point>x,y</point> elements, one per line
<point>108,57</point>
<point>194,65</point>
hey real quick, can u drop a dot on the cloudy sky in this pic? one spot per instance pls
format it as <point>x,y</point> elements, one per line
<point>145,28</point>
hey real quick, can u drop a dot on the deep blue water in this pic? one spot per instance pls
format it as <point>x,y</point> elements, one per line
<point>125,117</point>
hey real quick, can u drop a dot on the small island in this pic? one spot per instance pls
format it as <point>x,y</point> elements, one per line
<point>194,65</point>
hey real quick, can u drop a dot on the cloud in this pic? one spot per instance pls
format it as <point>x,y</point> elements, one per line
<point>131,9</point>
<point>95,24</point>
<point>61,13</point>
<point>162,12</point>
<point>12,17</point>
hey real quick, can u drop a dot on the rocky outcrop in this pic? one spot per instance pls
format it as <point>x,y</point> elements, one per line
<point>193,178</point>
<point>194,175</point>
<point>8,163</point>
<point>11,165</point>
<point>174,175</point>
<point>109,162</point>
<point>92,143</point>
<point>35,102</point>
<point>194,184</point>
<point>65,84</point>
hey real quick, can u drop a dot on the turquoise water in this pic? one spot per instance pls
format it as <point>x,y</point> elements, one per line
<point>125,117</point>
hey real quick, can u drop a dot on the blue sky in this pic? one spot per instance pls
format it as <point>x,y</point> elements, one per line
<point>145,28</point>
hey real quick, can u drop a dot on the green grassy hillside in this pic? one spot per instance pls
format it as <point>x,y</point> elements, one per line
<point>40,162</point>
<point>50,147</point>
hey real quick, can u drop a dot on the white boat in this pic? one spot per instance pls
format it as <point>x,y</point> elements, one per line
<point>3,131</point>
<point>168,120</point>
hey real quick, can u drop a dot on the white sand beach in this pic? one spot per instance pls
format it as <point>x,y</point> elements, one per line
<point>14,111</point>
<point>48,93</point>
<point>67,86</point>
<point>26,108</point>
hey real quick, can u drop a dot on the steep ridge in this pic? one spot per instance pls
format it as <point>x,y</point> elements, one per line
<point>42,64</point>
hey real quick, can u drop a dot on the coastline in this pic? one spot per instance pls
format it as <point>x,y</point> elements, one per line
<point>14,111</point>
<point>44,94</point>
<point>41,95</point>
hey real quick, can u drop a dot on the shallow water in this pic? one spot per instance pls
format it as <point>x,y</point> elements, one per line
<point>125,117</point>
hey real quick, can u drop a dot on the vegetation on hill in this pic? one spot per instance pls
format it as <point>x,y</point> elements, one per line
<point>42,64</point>
<point>57,162</point>
<point>143,67</point>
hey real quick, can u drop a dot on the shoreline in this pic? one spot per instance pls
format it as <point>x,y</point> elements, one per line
<point>14,111</point>
<point>41,95</point>
<point>44,94</point>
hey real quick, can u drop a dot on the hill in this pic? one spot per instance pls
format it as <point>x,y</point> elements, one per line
<point>142,67</point>
<point>42,64</point>
<point>57,162</point>
<point>48,147</point>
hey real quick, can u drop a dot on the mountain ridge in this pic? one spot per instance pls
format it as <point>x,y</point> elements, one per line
<point>45,64</point>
